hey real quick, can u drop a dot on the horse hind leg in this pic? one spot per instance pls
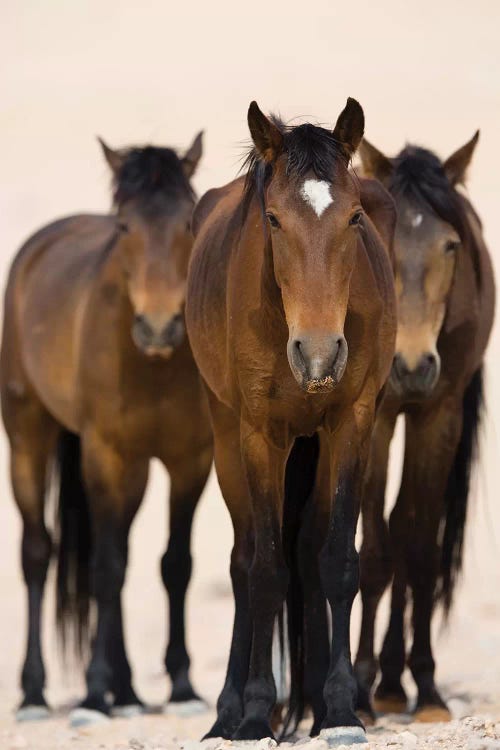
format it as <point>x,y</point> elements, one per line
<point>32,434</point>
<point>188,478</point>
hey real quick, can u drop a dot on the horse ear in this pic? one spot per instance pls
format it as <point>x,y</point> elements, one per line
<point>193,155</point>
<point>375,163</point>
<point>114,158</point>
<point>267,137</point>
<point>457,164</point>
<point>350,126</point>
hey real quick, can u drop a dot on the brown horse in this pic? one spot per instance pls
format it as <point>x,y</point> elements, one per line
<point>291,315</point>
<point>445,293</point>
<point>97,375</point>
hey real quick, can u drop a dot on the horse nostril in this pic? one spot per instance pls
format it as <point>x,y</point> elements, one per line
<point>299,353</point>
<point>143,326</point>
<point>399,366</point>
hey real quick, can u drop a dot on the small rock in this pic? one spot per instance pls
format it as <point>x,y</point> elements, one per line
<point>136,744</point>
<point>267,743</point>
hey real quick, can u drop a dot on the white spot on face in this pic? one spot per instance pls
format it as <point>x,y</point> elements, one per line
<point>317,194</point>
<point>416,220</point>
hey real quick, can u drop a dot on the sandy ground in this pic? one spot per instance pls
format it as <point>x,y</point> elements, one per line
<point>158,72</point>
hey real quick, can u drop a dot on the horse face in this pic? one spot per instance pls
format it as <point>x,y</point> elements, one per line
<point>313,210</point>
<point>425,247</point>
<point>155,260</point>
<point>314,228</point>
<point>425,252</point>
<point>154,203</point>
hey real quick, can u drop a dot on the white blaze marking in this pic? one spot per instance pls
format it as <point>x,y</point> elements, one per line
<point>317,194</point>
<point>416,220</point>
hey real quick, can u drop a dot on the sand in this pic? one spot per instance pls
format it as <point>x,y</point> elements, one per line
<point>159,72</point>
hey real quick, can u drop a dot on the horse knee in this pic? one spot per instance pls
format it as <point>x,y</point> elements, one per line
<point>340,574</point>
<point>176,566</point>
<point>36,552</point>
<point>108,570</point>
<point>268,585</point>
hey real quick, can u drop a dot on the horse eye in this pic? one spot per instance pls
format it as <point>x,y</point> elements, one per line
<point>122,227</point>
<point>355,219</point>
<point>273,221</point>
<point>451,246</point>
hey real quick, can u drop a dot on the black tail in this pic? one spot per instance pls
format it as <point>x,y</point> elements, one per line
<point>299,483</point>
<point>73,590</point>
<point>457,492</point>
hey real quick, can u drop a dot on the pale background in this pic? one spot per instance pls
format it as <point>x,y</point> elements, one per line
<point>158,72</point>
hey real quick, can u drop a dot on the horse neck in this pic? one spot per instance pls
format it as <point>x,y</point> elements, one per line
<point>112,294</point>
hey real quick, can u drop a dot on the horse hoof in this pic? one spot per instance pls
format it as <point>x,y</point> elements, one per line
<point>85,717</point>
<point>430,714</point>
<point>335,736</point>
<point>192,707</point>
<point>390,704</point>
<point>127,712</point>
<point>32,713</point>
<point>367,718</point>
<point>252,730</point>
<point>220,731</point>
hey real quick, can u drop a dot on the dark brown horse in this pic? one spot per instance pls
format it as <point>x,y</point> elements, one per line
<point>291,316</point>
<point>98,376</point>
<point>445,293</point>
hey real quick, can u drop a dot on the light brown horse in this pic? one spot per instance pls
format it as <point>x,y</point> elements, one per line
<point>291,316</point>
<point>445,292</point>
<point>97,374</point>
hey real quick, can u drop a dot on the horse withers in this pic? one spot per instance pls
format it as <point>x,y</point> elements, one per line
<point>291,316</point>
<point>97,376</point>
<point>445,295</point>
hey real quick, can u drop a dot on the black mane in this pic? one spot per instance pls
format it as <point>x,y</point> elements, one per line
<point>153,176</point>
<point>419,176</point>
<point>309,148</point>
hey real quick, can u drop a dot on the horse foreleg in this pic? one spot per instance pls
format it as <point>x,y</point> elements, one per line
<point>434,440</point>
<point>115,487</point>
<point>375,559</point>
<point>188,477</point>
<point>32,434</point>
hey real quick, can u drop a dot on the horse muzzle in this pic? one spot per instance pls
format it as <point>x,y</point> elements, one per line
<point>158,339</point>
<point>317,362</point>
<point>416,382</point>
